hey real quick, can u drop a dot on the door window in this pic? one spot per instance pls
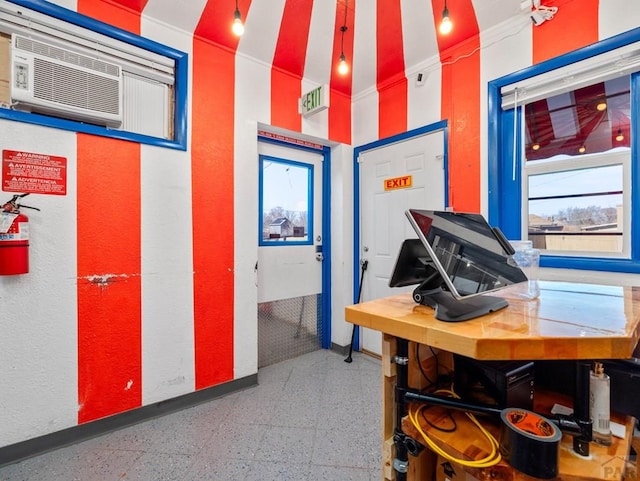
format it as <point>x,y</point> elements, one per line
<point>286,193</point>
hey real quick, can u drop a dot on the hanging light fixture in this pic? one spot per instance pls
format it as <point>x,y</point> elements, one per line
<point>343,66</point>
<point>531,117</point>
<point>445,24</point>
<point>619,135</point>
<point>237,27</point>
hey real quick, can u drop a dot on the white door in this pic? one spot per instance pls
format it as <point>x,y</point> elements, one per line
<point>393,178</point>
<point>290,250</point>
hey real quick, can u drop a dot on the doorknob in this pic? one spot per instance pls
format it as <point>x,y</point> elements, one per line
<point>319,257</point>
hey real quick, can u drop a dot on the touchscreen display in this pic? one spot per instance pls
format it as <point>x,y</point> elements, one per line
<point>465,250</point>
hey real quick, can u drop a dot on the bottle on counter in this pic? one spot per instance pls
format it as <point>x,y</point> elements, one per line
<point>528,259</point>
<point>599,404</point>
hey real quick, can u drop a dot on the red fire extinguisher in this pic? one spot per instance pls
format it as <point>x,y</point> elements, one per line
<point>14,238</point>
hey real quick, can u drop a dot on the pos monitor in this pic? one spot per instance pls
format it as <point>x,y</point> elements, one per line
<point>457,259</point>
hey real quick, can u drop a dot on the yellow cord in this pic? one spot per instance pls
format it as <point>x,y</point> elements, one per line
<point>491,459</point>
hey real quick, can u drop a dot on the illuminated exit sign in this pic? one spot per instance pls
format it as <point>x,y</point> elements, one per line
<point>314,101</point>
<point>403,182</point>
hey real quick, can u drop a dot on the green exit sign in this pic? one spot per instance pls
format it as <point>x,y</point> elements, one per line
<point>315,100</point>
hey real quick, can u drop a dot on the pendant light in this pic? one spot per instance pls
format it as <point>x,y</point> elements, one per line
<point>237,27</point>
<point>445,24</point>
<point>343,66</point>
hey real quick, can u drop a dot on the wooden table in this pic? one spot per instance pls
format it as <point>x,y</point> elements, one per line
<point>568,321</point>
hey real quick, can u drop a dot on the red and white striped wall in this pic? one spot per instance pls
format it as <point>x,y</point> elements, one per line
<point>142,286</point>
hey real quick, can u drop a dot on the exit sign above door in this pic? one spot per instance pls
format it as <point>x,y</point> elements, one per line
<point>314,101</point>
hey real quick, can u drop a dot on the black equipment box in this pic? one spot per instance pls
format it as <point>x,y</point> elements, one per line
<point>560,376</point>
<point>499,384</point>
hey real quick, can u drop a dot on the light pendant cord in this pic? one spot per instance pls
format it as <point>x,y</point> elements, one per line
<point>343,67</point>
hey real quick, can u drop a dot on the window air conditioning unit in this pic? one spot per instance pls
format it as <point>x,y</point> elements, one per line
<point>51,80</point>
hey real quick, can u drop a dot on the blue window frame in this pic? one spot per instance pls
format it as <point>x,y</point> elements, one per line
<point>286,202</point>
<point>514,177</point>
<point>179,137</point>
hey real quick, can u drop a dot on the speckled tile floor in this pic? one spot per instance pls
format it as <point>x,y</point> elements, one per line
<point>312,418</point>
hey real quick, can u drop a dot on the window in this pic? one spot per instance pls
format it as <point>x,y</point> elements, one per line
<point>69,71</point>
<point>561,157</point>
<point>286,193</point>
<point>576,160</point>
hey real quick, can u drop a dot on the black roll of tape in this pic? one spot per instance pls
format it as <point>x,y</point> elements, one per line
<point>530,443</point>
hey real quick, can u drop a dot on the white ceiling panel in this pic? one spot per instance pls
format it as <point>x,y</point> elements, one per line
<point>419,35</point>
<point>262,27</point>
<point>183,16</point>
<point>318,61</point>
<point>490,13</point>
<point>364,47</point>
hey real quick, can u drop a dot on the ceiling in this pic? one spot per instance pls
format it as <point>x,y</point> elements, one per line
<point>384,38</point>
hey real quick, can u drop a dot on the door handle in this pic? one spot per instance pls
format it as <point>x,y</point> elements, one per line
<point>319,257</point>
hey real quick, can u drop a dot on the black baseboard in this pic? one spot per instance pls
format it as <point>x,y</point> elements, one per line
<point>342,350</point>
<point>42,444</point>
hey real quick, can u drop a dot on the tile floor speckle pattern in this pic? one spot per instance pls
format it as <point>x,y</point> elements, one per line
<point>312,418</point>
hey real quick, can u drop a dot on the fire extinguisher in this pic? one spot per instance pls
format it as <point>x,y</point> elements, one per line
<point>14,237</point>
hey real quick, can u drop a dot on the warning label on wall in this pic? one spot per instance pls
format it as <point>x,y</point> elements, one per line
<point>33,173</point>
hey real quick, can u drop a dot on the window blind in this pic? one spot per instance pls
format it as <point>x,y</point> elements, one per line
<point>622,61</point>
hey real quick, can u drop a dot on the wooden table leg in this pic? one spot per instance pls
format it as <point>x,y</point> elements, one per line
<point>388,406</point>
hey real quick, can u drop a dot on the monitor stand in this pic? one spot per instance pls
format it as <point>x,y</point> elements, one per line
<point>448,308</point>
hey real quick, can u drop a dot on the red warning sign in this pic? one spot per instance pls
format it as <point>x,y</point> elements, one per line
<point>33,173</point>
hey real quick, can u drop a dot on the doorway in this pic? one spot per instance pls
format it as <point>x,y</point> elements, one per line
<point>396,174</point>
<point>293,251</point>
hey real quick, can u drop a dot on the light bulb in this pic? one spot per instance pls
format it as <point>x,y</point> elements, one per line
<point>343,66</point>
<point>237,27</point>
<point>620,136</point>
<point>582,149</point>
<point>601,106</point>
<point>445,25</point>
<point>535,146</point>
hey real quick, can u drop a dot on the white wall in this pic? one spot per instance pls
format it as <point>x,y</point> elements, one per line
<point>38,311</point>
<point>167,264</point>
<point>342,224</point>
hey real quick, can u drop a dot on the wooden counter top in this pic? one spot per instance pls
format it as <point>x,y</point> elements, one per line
<point>567,321</point>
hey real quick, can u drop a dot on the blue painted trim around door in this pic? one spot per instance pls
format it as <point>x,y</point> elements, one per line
<point>326,248</point>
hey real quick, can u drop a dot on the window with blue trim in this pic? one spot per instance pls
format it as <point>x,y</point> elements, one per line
<point>68,71</point>
<point>286,200</point>
<point>562,157</point>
